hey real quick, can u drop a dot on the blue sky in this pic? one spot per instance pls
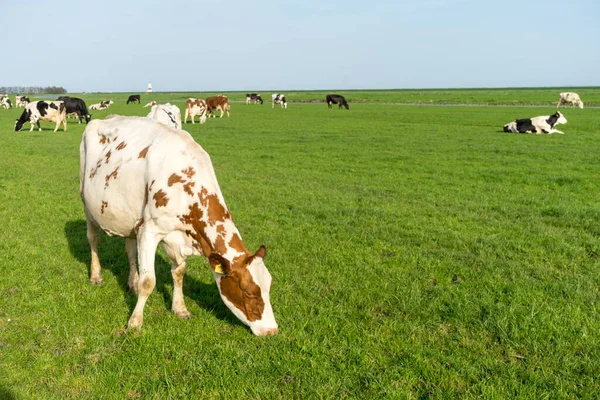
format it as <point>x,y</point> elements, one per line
<point>198,45</point>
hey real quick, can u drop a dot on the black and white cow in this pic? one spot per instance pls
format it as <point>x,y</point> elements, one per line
<point>336,99</point>
<point>253,98</point>
<point>278,98</point>
<point>133,98</point>
<point>53,111</point>
<point>5,102</point>
<point>21,101</point>
<point>537,125</point>
<point>77,106</point>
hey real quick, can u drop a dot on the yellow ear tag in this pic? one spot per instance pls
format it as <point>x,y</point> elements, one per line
<point>219,269</point>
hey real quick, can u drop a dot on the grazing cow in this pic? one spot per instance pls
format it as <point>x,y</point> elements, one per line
<point>195,107</point>
<point>76,105</point>
<point>133,98</point>
<point>253,98</point>
<point>336,99</point>
<point>53,111</point>
<point>570,97</point>
<point>278,98</point>
<point>152,103</point>
<point>21,101</point>
<point>154,185</point>
<point>219,102</point>
<point>5,102</point>
<point>167,114</point>
<point>537,125</point>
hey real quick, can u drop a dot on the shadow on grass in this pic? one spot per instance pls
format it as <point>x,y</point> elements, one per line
<point>113,257</point>
<point>6,394</point>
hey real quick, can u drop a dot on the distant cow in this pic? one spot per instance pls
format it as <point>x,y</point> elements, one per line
<point>133,98</point>
<point>570,97</point>
<point>5,102</point>
<point>21,101</point>
<point>537,125</point>
<point>215,103</point>
<point>53,111</point>
<point>253,98</point>
<point>156,186</point>
<point>167,114</point>
<point>278,98</point>
<point>76,105</point>
<point>103,105</point>
<point>195,107</point>
<point>336,99</point>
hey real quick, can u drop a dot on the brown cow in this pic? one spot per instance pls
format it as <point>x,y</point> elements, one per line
<point>219,102</point>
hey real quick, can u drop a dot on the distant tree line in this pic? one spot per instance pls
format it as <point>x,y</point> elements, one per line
<point>32,90</point>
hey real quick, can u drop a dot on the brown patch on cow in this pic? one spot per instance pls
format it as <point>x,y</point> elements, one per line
<point>202,195</point>
<point>112,175</point>
<point>241,290</point>
<point>188,188</point>
<point>189,172</point>
<point>94,170</point>
<point>107,157</point>
<point>103,140</point>
<point>173,179</point>
<point>216,210</point>
<point>220,247</point>
<point>143,152</point>
<point>237,244</point>
<point>121,145</point>
<point>160,199</point>
<point>103,206</point>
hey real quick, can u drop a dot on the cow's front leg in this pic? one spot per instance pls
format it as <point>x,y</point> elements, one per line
<point>93,237</point>
<point>147,241</point>
<point>173,244</point>
<point>556,131</point>
<point>133,279</point>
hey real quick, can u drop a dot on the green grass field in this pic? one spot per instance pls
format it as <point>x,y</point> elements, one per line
<point>416,252</point>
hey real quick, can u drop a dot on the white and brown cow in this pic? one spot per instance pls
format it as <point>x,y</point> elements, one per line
<point>53,111</point>
<point>215,103</point>
<point>155,185</point>
<point>570,97</point>
<point>168,114</point>
<point>195,107</point>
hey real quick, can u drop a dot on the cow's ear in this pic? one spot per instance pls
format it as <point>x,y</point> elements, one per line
<point>219,264</point>
<point>261,252</point>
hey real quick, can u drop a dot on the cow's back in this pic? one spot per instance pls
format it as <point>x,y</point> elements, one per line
<point>126,172</point>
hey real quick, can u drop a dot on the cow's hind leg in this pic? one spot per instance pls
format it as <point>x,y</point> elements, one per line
<point>93,237</point>
<point>172,245</point>
<point>133,279</point>
<point>147,241</point>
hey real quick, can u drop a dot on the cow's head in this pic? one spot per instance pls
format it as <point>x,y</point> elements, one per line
<point>25,116</point>
<point>580,104</point>
<point>245,289</point>
<point>88,117</point>
<point>560,119</point>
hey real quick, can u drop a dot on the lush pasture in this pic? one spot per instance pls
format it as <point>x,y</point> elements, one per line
<point>416,252</point>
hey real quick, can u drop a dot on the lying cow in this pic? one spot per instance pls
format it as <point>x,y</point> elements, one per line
<point>537,125</point>
<point>253,98</point>
<point>160,187</point>
<point>336,99</point>
<point>168,114</point>
<point>195,107</point>
<point>133,98</point>
<point>278,98</point>
<point>98,106</point>
<point>570,97</point>
<point>53,111</point>
<point>77,106</point>
<point>215,103</point>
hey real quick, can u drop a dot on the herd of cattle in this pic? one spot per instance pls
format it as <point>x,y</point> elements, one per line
<point>160,188</point>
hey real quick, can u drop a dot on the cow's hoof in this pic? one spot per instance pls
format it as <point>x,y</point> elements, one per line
<point>183,314</point>
<point>134,324</point>
<point>96,281</point>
